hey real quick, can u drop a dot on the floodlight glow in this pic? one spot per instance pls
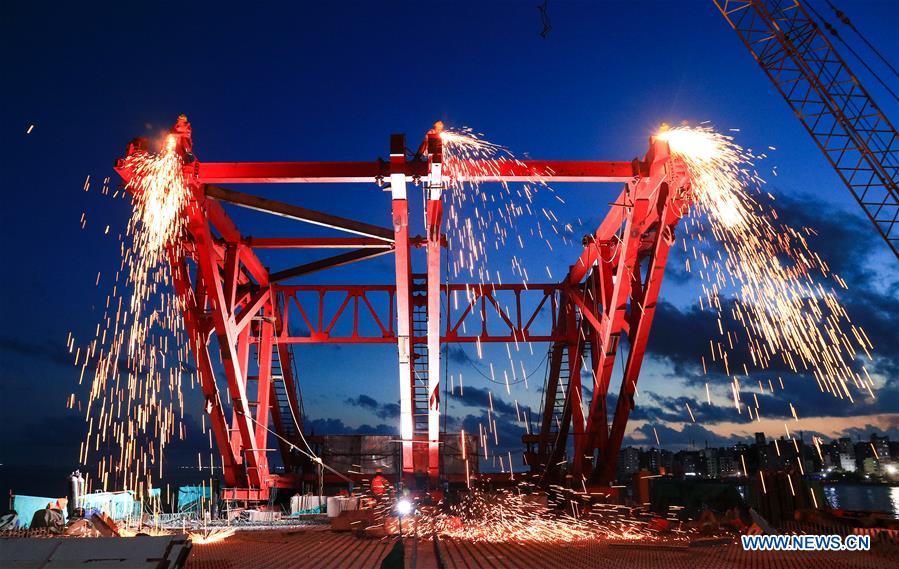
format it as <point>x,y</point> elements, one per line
<point>403,507</point>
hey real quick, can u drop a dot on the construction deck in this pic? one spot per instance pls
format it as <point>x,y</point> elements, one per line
<point>322,548</point>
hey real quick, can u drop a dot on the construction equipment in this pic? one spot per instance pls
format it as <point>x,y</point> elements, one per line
<point>609,294</point>
<point>854,134</point>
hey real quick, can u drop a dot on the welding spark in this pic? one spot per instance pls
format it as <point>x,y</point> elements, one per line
<point>782,306</point>
<point>134,407</point>
<point>519,517</point>
<point>210,535</point>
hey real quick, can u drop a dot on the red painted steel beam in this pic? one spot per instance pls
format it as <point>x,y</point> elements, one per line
<point>231,348</point>
<point>556,171</point>
<point>315,243</point>
<point>553,171</point>
<point>306,172</point>
<point>192,311</point>
<point>264,385</point>
<point>643,308</point>
<point>327,263</point>
<point>222,223</point>
<point>377,304</point>
<point>434,219</point>
<point>298,213</point>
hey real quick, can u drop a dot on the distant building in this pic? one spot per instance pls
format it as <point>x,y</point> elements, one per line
<point>881,446</point>
<point>847,463</point>
<point>686,463</point>
<point>873,457</point>
<point>628,462</point>
<point>846,447</point>
<point>871,467</point>
<point>760,439</point>
<point>710,462</point>
<point>651,460</point>
<point>830,454</point>
<point>863,450</point>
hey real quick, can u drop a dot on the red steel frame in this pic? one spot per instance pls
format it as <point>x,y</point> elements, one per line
<point>610,292</point>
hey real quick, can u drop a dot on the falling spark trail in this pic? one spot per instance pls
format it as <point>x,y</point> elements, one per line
<point>134,406</point>
<point>760,273</point>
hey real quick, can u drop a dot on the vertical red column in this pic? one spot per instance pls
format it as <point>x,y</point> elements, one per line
<point>192,310</point>
<point>434,219</point>
<point>264,381</point>
<point>403,293</point>
<point>228,338</point>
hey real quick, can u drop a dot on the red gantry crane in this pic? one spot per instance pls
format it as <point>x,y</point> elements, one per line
<point>854,134</point>
<point>607,298</point>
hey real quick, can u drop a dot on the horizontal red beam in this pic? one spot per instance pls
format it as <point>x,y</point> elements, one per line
<point>351,172</point>
<point>301,172</point>
<point>555,171</point>
<point>391,339</point>
<point>316,243</point>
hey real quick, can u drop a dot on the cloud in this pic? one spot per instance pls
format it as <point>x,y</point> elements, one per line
<point>47,350</point>
<point>338,427</point>
<point>864,432</point>
<point>381,410</point>
<point>458,355</point>
<point>690,435</point>
<point>56,353</point>
<point>846,241</point>
<point>480,398</point>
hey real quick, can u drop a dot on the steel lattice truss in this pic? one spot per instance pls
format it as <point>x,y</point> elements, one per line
<point>854,134</point>
<point>607,299</point>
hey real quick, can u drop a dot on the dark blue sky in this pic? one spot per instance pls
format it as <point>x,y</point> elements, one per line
<point>323,81</point>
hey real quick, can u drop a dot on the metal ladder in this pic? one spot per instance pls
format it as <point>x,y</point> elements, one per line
<point>280,390</point>
<point>420,399</point>
<point>559,406</point>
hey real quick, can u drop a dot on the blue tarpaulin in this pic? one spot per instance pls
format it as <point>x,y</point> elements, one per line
<point>189,497</point>
<point>116,505</point>
<point>26,506</point>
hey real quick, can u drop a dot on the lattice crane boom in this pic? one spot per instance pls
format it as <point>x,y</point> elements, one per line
<point>854,134</point>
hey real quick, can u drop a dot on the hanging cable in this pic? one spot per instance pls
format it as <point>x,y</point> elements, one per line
<point>515,382</point>
<point>833,31</point>
<point>309,455</point>
<point>846,21</point>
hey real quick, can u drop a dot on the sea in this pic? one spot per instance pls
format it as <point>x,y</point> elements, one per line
<point>864,497</point>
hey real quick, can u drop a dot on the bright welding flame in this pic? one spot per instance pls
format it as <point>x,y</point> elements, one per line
<point>783,309</point>
<point>211,536</point>
<point>716,166</point>
<point>160,195</point>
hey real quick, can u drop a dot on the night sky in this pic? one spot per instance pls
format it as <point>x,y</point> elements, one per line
<point>332,81</point>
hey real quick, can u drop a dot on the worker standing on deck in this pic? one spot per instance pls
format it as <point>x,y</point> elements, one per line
<point>379,484</point>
